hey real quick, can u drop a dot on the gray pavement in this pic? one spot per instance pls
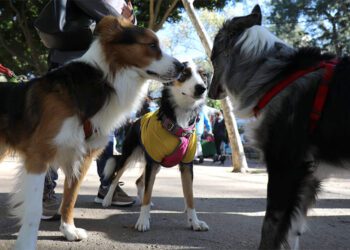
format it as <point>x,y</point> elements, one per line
<point>232,204</point>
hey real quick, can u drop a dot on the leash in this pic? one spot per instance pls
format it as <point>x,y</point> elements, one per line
<point>6,71</point>
<point>321,93</point>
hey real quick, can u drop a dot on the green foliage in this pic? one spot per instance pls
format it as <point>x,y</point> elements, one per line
<point>21,49</point>
<point>214,103</point>
<point>323,23</point>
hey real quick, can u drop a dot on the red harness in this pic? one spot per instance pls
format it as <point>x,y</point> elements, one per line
<point>321,94</point>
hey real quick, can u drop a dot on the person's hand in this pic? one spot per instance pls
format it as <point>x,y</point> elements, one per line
<point>128,12</point>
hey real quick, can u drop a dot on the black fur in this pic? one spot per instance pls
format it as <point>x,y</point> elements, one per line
<point>85,84</point>
<point>78,84</point>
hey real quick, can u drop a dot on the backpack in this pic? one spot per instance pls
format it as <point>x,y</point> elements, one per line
<point>63,25</point>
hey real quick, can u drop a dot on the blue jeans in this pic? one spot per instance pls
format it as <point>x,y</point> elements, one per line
<point>52,176</point>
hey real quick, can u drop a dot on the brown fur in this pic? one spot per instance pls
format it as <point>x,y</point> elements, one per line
<point>120,55</point>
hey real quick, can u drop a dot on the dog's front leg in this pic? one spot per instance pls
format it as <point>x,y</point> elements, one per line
<point>70,194</point>
<point>29,198</point>
<point>143,223</point>
<point>187,187</point>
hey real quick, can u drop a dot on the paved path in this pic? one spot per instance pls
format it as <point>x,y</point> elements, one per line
<point>232,204</point>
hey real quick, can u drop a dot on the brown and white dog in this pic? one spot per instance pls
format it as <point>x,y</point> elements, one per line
<point>63,119</point>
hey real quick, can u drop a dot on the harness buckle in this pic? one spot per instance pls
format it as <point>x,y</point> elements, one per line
<point>170,126</point>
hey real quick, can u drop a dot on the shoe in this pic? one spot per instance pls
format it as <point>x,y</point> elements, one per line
<point>222,159</point>
<point>51,206</point>
<point>201,159</point>
<point>120,198</point>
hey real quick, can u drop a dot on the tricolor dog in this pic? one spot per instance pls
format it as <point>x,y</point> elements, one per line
<point>301,99</point>
<point>164,138</point>
<point>63,118</point>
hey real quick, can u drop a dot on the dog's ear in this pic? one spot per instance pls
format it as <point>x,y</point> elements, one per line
<point>110,27</point>
<point>256,14</point>
<point>244,22</point>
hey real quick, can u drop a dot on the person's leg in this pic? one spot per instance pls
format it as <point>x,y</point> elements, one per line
<point>199,150</point>
<point>51,203</point>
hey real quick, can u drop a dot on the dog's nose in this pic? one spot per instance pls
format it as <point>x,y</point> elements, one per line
<point>179,66</point>
<point>199,89</point>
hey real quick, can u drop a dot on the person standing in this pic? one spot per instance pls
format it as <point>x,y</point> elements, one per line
<point>203,124</point>
<point>95,10</point>
<point>220,136</point>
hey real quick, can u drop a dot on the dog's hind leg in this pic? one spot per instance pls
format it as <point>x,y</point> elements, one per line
<point>29,204</point>
<point>143,222</point>
<point>187,187</point>
<point>290,194</point>
<point>70,194</point>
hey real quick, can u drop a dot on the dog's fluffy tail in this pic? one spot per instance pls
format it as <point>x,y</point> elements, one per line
<point>26,196</point>
<point>115,163</point>
<point>110,168</point>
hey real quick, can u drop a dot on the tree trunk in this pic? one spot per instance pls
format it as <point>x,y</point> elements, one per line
<point>238,158</point>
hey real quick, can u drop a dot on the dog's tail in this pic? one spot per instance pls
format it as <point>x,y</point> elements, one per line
<point>110,168</point>
<point>25,201</point>
<point>117,162</point>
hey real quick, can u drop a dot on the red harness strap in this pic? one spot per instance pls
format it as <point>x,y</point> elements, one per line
<point>320,95</point>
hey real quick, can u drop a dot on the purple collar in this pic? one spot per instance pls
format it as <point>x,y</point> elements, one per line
<point>175,129</point>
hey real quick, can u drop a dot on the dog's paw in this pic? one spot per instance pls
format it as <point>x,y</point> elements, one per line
<point>106,202</point>
<point>72,233</point>
<point>193,221</point>
<point>198,225</point>
<point>143,222</point>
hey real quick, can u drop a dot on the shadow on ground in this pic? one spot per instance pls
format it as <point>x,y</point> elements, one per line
<point>230,220</point>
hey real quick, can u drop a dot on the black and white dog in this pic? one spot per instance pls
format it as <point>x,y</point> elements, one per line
<point>301,99</point>
<point>157,138</point>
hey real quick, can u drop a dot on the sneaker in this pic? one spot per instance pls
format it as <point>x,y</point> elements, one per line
<point>51,206</point>
<point>120,198</point>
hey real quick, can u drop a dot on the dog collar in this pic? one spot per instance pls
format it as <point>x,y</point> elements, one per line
<point>175,129</point>
<point>321,93</point>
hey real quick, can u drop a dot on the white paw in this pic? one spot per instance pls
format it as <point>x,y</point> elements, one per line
<point>143,222</point>
<point>72,233</point>
<point>198,225</point>
<point>194,223</point>
<point>107,202</point>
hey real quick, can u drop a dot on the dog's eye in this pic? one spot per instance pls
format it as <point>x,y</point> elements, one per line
<point>153,45</point>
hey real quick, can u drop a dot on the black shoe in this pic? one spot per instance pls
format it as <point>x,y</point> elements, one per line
<point>222,159</point>
<point>201,159</point>
<point>215,158</point>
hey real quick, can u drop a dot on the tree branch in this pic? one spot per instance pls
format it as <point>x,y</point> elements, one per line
<point>159,3</point>
<point>151,14</point>
<point>166,15</point>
